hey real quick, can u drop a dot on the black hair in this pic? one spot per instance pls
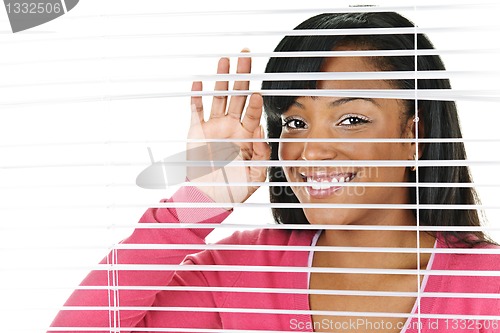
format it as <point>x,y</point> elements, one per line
<point>439,118</point>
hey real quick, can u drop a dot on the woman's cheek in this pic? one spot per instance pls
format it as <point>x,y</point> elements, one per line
<point>281,150</point>
<point>289,151</point>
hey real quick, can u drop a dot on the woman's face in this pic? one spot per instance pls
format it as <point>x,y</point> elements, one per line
<point>347,118</point>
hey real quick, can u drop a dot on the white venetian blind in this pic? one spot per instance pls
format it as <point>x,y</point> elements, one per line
<point>90,99</point>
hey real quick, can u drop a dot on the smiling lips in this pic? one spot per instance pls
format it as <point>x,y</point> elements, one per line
<point>323,184</point>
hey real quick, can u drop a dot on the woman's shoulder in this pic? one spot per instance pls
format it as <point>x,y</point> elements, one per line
<point>481,256</point>
<point>264,246</point>
<point>472,269</point>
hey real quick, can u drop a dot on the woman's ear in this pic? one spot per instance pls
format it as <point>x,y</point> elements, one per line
<point>415,129</point>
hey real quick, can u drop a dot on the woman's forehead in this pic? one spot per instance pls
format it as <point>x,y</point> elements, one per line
<point>355,65</point>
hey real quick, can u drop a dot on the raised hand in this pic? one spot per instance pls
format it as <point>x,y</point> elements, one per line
<point>227,122</point>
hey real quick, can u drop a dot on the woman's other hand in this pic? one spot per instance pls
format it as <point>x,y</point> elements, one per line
<point>227,121</point>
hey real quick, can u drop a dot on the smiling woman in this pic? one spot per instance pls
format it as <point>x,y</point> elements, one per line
<point>338,285</point>
<point>395,119</point>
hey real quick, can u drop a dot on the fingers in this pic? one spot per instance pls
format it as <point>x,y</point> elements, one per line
<point>251,120</point>
<point>219,102</point>
<point>196,105</point>
<point>237,103</point>
<point>261,152</point>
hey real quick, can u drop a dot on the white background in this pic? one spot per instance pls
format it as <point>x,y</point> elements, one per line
<point>69,157</point>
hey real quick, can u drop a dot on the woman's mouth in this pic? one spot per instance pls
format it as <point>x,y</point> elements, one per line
<point>323,185</point>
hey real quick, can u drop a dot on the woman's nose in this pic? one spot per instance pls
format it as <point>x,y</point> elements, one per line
<point>316,149</point>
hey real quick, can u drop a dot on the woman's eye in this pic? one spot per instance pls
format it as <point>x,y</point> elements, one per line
<point>353,121</point>
<point>294,123</point>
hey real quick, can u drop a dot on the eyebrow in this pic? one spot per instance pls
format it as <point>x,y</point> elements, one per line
<point>341,101</point>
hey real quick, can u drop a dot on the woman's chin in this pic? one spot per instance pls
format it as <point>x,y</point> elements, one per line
<point>327,217</point>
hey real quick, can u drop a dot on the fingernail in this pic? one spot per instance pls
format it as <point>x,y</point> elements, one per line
<point>245,49</point>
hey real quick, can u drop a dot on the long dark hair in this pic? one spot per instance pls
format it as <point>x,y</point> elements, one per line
<point>439,118</point>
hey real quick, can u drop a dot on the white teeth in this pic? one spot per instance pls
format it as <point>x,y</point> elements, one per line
<point>316,186</point>
<point>324,183</point>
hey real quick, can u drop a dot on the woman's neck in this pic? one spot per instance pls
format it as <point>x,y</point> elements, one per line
<point>377,239</point>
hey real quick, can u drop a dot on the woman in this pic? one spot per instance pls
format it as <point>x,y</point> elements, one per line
<point>289,298</point>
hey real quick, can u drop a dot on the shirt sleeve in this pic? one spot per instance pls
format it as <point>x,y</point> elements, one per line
<point>120,293</point>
